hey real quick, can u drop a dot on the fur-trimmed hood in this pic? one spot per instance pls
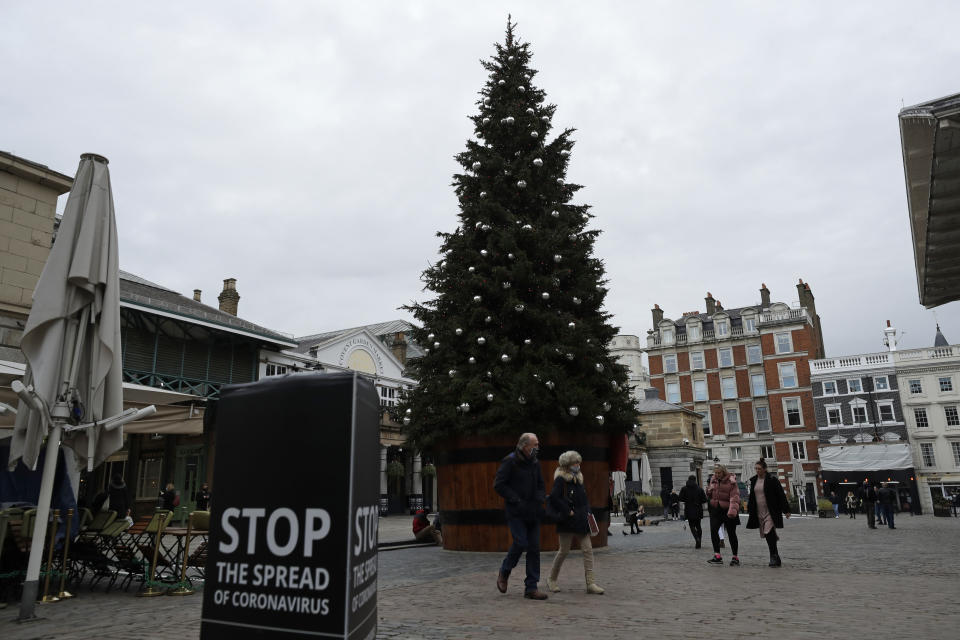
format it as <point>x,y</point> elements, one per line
<point>569,476</point>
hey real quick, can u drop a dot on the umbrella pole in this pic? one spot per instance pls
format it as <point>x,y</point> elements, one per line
<point>31,586</point>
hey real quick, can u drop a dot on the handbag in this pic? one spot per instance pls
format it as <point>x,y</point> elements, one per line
<point>594,529</point>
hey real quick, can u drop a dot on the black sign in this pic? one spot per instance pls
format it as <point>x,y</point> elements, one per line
<point>293,528</point>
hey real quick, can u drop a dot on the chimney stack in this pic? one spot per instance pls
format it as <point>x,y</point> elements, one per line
<point>399,347</point>
<point>890,337</point>
<point>657,315</point>
<point>711,304</point>
<point>802,293</point>
<point>196,295</point>
<point>229,298</point>
<point>764,296</point>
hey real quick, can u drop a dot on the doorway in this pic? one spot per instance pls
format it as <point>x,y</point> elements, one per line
<point>187,477</point>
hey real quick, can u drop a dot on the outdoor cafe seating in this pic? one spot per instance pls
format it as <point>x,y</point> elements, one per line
<point>108,551</point>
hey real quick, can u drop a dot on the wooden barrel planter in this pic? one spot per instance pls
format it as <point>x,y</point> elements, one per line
<point>472,512</point>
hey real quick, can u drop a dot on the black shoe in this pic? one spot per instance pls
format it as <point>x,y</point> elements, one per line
<point>715,560</point>
<point>697,545</point>
<point>734,561</point>
<point>502,581</point>
<point>623,532</point>
<point>774,560</point>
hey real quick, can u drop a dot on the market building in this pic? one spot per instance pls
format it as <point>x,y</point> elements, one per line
<point>747,371</point>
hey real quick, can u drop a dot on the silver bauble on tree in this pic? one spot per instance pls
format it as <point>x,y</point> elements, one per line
<point>522,400</point>
<point>486,121</point>
<point>484,253</point>
<point>530,111</point>
<point>519,308</point>
<point>521,184</point>
<point>465,407</point>
<point>489,397</point>
<point>555,213</point>
<point>481,341</point>
<point>527,341</point>
<point>472,360</point>
<point>458,331</point>
<point>436,345</point>
<point>556,257</point>
<point>477,298</point>
<point>406,421</point>
<point>606,406</point>
<point>471,269</point>
<point>505,285</point>
<point>509,120</point>
<point>430,336</point>
<point>599,419</point>
<point>488,319</point>
<point>504,358</point>
<point>534,134</point>
<point>574,411</point>
<point>476,166</point>
<point>452,372</point>
<point>545,295</point>
<point>598,367</point>
<point>537,162</point>
<point>549,384</point>
<point>501,82</point>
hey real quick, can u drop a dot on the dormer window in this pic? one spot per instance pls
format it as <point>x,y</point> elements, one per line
<point>722,327</point>
<point>693,332</point>
<point>667,336</point>
<point>749,324</point>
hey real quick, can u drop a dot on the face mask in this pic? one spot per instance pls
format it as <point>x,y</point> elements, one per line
<point>534,452</point>
<point>575,468</point>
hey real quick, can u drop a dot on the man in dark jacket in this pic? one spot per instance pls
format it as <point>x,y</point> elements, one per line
<point>520,483</point>
<point>868,498</point>
<point>693,498</point>
<point>888,502</point>
<point>119,501</point>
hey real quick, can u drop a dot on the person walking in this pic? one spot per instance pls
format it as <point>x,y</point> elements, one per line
<point>674,504</point>
<point>835,501</point>
<point>203,497</point>
<point>693,499</point>
<point>888,499</point>
<point>630,514</point>
<point>665,502</point>
<point>724,507</point>
<point>520,483</point>
<point>568,498</point>
<point>852,505</point>
<point>868,497</point>
<point>119,499</point>
<point>766,508</point>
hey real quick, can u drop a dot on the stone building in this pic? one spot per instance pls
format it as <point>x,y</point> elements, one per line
<point>747,371</point>
<point>628,352</point>
<point>929,384</point>
<point>672,444</point>
<point>28,201</point>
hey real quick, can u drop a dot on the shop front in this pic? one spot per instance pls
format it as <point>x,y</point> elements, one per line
<point>845,468</point>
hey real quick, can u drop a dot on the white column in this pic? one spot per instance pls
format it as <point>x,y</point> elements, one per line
<point>384,499</point>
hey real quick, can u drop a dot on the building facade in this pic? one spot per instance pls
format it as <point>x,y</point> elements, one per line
<point>670,446</point>
<point>747,371</point>
<point>629,352</point>
<point>929,386</point>
<point>861,424</point>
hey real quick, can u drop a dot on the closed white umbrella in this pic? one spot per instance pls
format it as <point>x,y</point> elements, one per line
<point>72,346</point>
<point>646,474</point>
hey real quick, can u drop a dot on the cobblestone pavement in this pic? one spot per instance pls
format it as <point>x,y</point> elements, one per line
<point>839,579</point>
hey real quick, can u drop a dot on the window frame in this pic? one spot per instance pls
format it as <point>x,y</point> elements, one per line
<point>726,421</point>
<point>749,324</point>
<point>757,419</point>
<point>669,395</point>
<point>142,479</point>
<point>831,408</point>
<point>706,426</point>
<point>917,412</point>
<point>721,361</point>
<point>927,451</point>
<point>885,404</point>
<point>776,342</point>
<point>693,357</point>
<point>667,335</point>
<point>791,365</point>
<point>763,383</point>
<point>723,388</point>
<point>955,449</point>
<point>764,448</point>
<point>736,454</point>
<point>859,385</point>
<point>949,383</point>
<point>694,334</point>
<point>758,349</point>
<point>956,415</point>
<point>798,446</point>
<point>823,388</point>
<point>670,357</point>
<point>886,383</point>
<point>859,407</point>
<point>919,386</point>
<point>786,412</point>
<point>706,393</point>
<point>725,324</point>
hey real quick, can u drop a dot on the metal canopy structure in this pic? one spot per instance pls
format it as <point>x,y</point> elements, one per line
<point>930,138</point>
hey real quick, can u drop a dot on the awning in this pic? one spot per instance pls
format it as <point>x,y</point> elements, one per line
<point>168,420</point>
<point>866,457</point>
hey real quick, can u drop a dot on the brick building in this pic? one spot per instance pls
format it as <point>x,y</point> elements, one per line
<point>747,371</point>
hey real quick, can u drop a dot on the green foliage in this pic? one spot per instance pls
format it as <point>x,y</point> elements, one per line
<point>519,276</point>
<point>941,502</point>
<point>428,471</point>
<point>824,505</point>
<point>649,501</point>
<point>395,469</point>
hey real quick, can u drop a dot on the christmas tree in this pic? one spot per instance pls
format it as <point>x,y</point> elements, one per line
<point>516,337</point>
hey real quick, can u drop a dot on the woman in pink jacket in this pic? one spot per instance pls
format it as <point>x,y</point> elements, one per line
<point>724,505</point>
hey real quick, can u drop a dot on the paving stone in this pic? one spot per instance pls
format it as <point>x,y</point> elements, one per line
<point>839,579</point>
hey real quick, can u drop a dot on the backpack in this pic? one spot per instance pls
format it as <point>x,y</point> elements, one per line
<point>176,499</point>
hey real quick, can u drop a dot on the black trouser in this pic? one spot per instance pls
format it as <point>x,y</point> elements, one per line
<point>718,518</point>
<point>695,528</point>
<point>871,508</point>
<point>771,539</point>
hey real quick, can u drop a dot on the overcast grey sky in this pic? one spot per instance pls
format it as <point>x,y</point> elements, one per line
<point>306,148</point>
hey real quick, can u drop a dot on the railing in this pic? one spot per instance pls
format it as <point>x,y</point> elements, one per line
<point>781,316</point>
<point>935,353</point>
<point>202,388</point>
<point>852,362</point>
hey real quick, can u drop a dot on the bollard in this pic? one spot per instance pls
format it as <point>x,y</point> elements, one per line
<point>53,541</point>
<point>184,590</point>
<point>64,595</point>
